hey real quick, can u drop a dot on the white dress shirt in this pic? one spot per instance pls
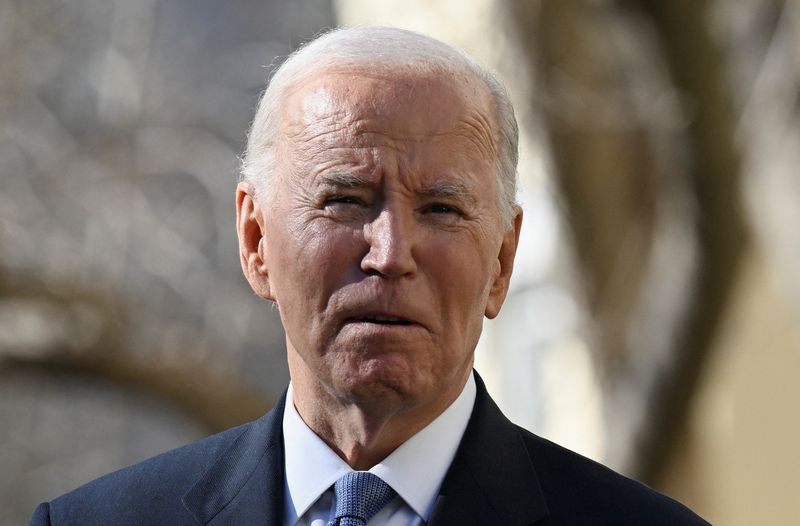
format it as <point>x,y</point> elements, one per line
<point>415,470</point>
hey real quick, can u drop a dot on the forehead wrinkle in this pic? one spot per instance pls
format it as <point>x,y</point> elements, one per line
<point>324,159</point>
<point>315,118</point>
<point>477,129</point>
<point>335,134</point>
<point>310,131</point>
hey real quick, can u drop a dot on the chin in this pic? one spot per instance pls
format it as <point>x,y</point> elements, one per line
<point>379,380</point>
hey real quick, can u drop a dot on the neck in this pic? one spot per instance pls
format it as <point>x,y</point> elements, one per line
<point>361,433</point>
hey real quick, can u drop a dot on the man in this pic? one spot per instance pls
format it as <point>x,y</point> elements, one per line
<point>377,211</point>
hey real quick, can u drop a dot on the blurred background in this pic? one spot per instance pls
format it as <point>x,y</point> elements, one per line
<point>654,318</point>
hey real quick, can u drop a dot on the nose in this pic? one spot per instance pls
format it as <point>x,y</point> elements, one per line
<point>391,240</point>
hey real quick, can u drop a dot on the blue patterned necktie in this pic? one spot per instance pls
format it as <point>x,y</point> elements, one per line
<point>359,496</point>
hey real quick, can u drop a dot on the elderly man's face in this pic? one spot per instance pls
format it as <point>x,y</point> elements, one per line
<point>382,240</point>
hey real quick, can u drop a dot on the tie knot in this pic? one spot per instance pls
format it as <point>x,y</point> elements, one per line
<point>359,496</point>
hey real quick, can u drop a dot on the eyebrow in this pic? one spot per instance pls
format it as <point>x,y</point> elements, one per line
<point>448,190</point>
<point>346,180</point>
<point>438,190</point>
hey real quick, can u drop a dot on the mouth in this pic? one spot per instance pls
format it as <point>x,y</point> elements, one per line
<point>381,320</point>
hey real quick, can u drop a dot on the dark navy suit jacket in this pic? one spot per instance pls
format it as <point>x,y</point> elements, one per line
<point>501,475</point>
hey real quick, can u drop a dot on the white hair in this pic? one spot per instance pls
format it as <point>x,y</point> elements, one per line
<point>381,49</point>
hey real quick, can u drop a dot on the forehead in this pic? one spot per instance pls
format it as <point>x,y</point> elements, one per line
<point>364,108</point>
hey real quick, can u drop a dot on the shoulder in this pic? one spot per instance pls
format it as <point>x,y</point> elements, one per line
<point>503,474</point>
<point>149,492</point>
<point>581,491</point>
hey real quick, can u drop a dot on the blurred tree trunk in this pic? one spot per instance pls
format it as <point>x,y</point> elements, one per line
<point>698,69</point>
<point>634,99</point>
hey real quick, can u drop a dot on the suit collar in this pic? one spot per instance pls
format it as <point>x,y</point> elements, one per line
<point>245,484</point>
<point>492,479</point>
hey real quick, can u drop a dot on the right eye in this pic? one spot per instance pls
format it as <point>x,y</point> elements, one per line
<point>342,200</point>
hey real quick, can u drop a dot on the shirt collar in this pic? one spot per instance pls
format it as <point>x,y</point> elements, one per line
<point>311,466</point>
<point>415,470</point>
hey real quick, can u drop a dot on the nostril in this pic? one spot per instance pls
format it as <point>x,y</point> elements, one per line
<point>389,261</point>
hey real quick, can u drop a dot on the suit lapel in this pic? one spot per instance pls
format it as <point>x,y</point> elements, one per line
<point>245,484</point>
<point>491,479</point>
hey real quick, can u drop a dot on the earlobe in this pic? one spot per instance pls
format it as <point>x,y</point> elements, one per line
<point>252,242</point>
<point>505,265</point>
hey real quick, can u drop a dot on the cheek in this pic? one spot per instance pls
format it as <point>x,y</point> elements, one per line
<point>468,278</point>
<point>312,260</point>
<point>461,286</point>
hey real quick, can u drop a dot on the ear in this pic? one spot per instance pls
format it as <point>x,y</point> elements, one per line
<point>252,242</point>
<point>505,265</point>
